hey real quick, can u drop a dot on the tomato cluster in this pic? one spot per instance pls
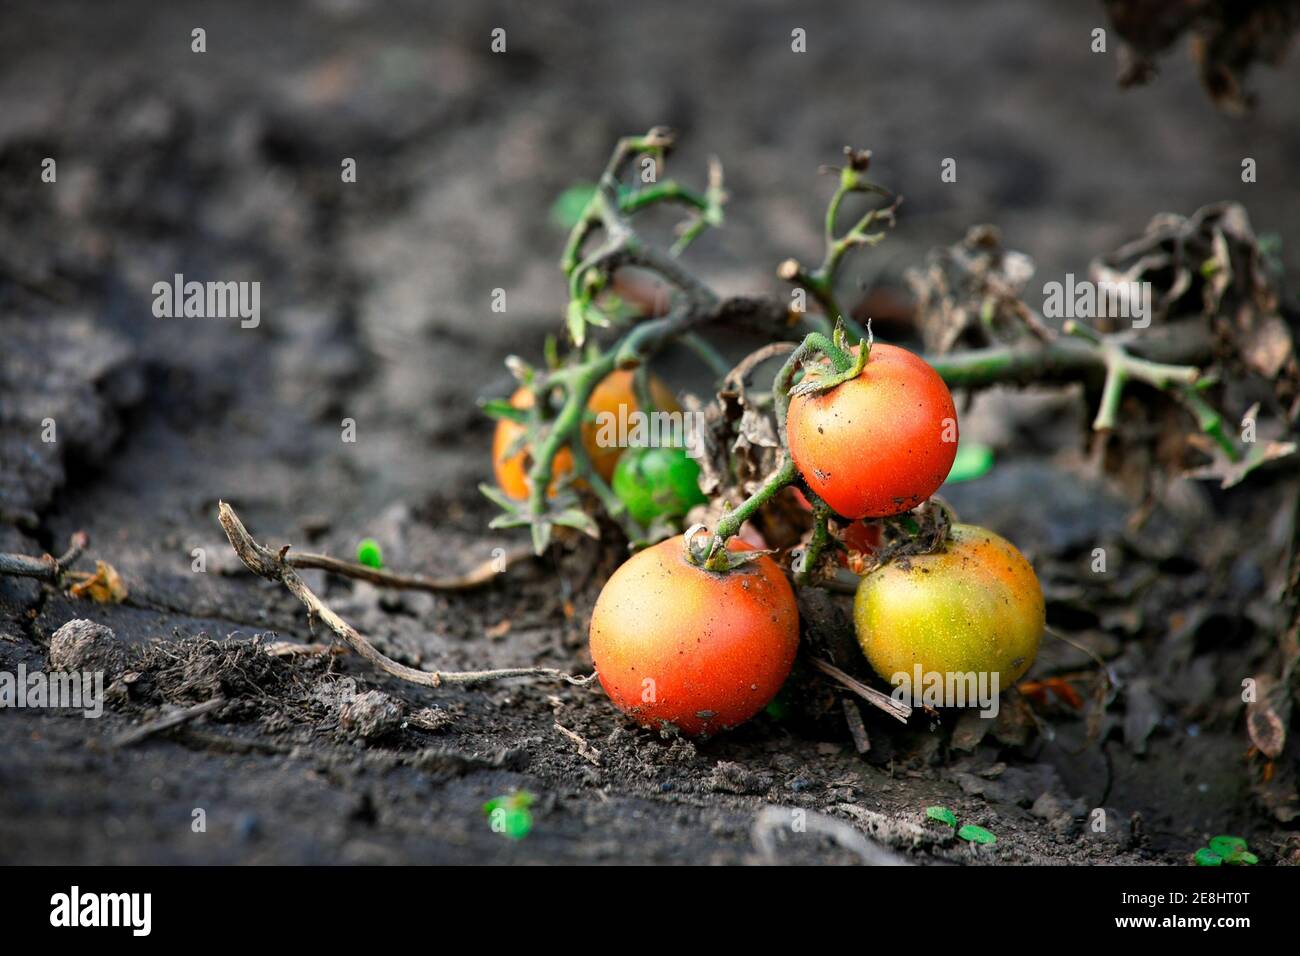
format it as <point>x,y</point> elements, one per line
<point>702,645</point>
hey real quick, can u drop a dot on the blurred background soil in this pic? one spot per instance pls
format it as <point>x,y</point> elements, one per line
<point>376,307</point>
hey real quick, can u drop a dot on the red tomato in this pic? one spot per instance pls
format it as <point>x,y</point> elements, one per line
<point>676,645</point>
<point>878,444</point>
<point>860,539</point>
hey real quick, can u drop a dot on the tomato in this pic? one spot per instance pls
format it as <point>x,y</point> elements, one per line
<point>879,444</point>
<point>612,394</point>
<point>975,606</point>
<point>699,650</point>
<point>861,539</point>
<point>512,470</point>
<point>615,395</point>
<point>657,482</point>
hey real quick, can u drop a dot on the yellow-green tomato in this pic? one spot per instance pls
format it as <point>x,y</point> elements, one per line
<point>974,607</point>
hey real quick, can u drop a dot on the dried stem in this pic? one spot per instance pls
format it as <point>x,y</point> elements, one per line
<point>473,578</point>
<point>273,566</point>
<point>46,568</point>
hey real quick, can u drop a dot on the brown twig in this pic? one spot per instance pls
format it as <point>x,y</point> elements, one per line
<point>894,708</point>
<point>473,578</point>
<point>167,722</point>
<point>585,750</point>
<point>273,566</point>
<point>46,568</point>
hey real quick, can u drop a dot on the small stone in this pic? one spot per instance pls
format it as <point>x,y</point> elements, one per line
<point>82,645</point>
<point>371,714</point>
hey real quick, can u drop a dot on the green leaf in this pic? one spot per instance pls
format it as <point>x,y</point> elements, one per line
<point>1207,857</point>
<point>541,536</point>
<point>571,204</point>
<point>973,460</point>
<point>370,554</point>
<point>576,320</point>
<point>573,518</point>
<point>943,815</point>
<point>509,814</point>
<point>974,834</point>
<point>1244,858</point>
<point>498,498</point>
<point>1227,846</point>
<point>501,408</point>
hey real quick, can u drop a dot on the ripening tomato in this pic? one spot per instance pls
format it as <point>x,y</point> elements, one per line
<point>860,539</point>
<point>699,650</point>
<point>879,444</point>
<point>614,394</point>
<point>657,482</point>
<point>512,470</point>
<point>976,607</point>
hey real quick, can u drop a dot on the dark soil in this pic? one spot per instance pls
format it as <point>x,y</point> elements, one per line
<point>376,307</point>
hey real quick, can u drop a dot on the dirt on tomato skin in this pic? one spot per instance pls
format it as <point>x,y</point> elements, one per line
<point>376,300</point>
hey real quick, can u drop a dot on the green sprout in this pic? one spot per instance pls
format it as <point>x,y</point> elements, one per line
<point>1231,850</point>
<point>974,834</point>
<point>509,814</point>
<point>370,554</point>
<point>943,815</point>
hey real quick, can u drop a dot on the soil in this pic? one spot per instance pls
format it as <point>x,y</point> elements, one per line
<point>376,307</point>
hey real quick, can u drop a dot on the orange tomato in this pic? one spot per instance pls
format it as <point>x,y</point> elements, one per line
<point>878,444</point>
<point>615,396</point>
<point>614,392</point>
<point>512,470</point>
<point>702,651</point>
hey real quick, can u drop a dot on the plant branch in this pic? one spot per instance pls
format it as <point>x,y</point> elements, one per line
<point>46,568</point>
<point>473,578</point>
<point>272,566</point>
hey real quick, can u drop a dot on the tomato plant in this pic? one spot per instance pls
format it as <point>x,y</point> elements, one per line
<point>879,443</point>
<point>975,605</point>
<point>657,483</point>
<point>614,395</point>
<point>510,462</point>
<point>677,644</point>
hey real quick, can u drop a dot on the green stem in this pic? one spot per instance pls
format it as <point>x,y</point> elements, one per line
<point>730,523</point>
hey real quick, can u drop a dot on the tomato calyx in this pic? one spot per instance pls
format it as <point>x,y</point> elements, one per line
<point>848,364</point>
<point>926,530</point>
<point>712,554</point>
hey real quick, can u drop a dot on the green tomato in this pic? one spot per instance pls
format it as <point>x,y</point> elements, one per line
<point>657,482</point>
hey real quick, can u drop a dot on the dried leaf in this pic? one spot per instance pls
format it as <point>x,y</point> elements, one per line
<point>104,586</point>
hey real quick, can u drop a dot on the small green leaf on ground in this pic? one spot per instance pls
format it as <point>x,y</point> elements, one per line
<point>943,815</point>
<point>975,834</point>
<point>370,554</point>
<point>1227,846</point>
<point>509,815</point>
<point>1207,857</point>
